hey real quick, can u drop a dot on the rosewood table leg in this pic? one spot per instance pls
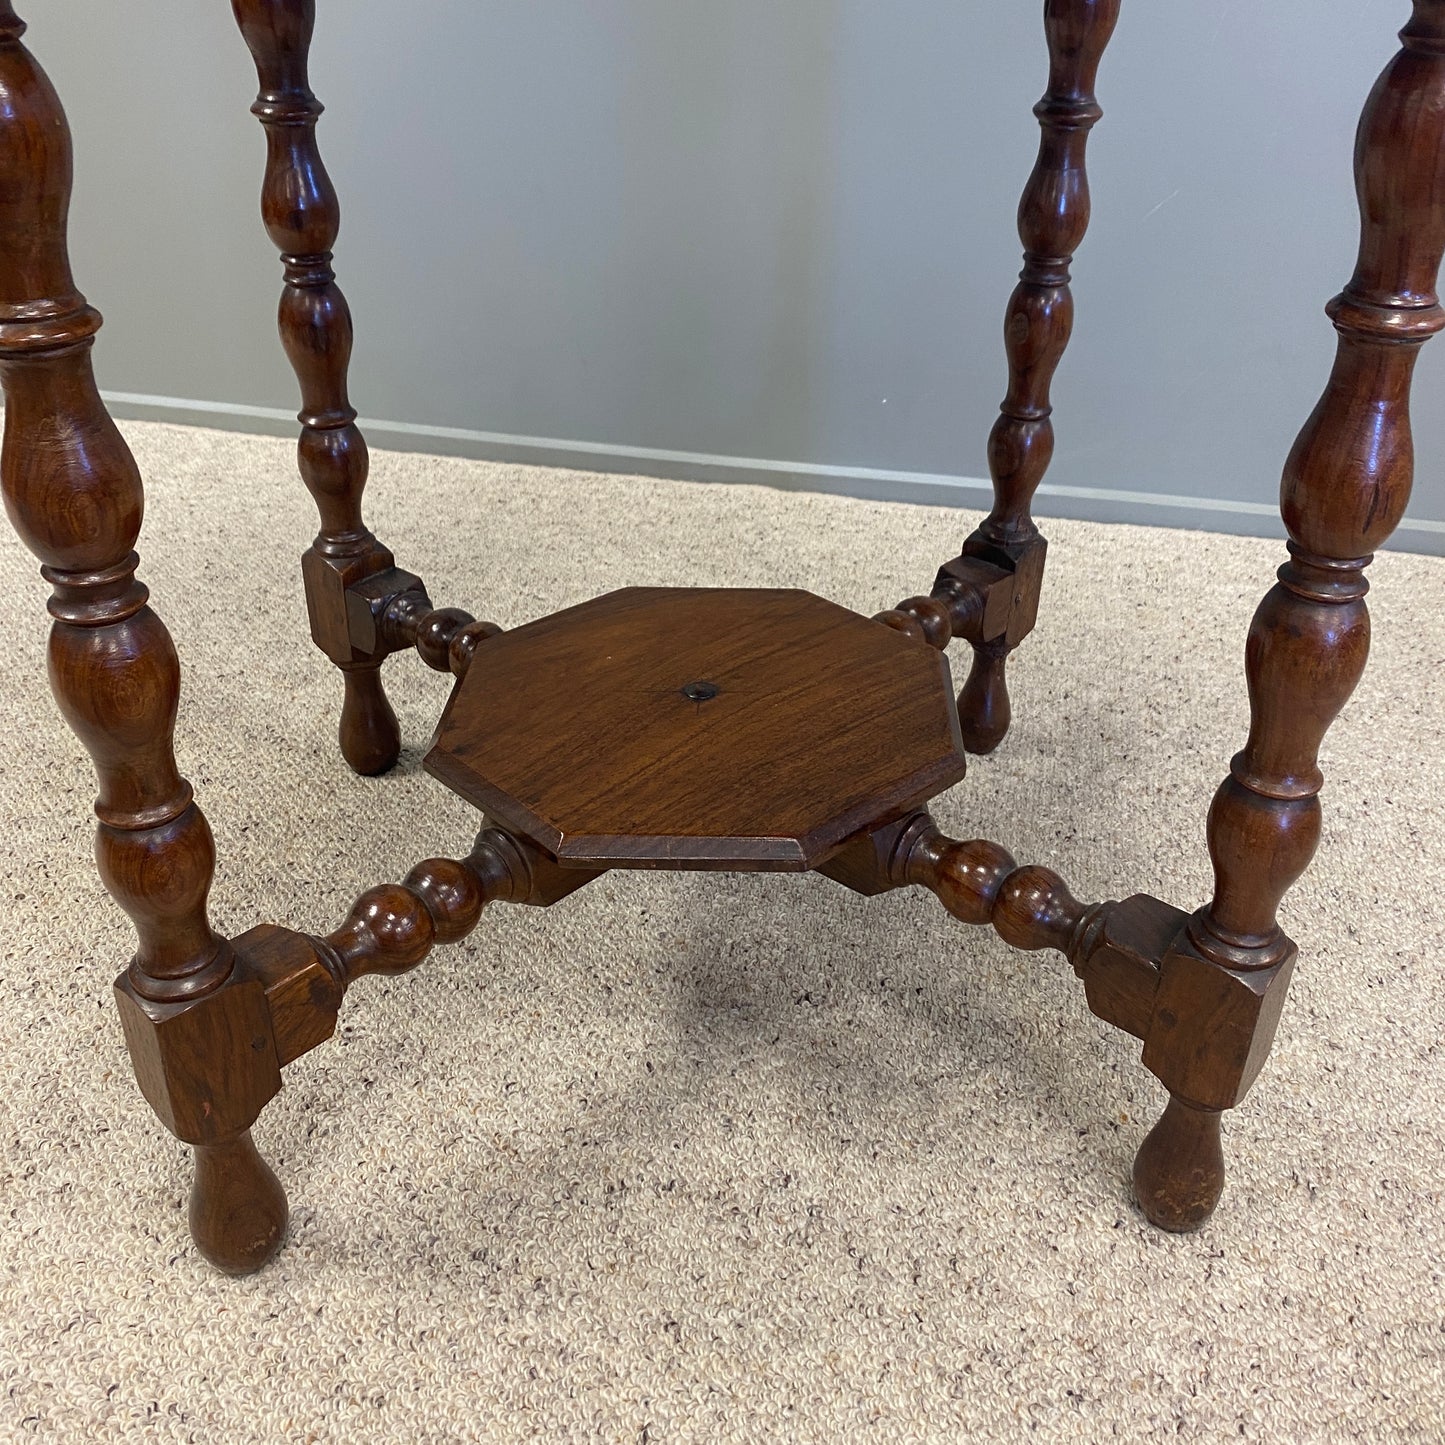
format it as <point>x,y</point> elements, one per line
<point>199,1034</point>
<point>303,217</point>
<point>1053,219</point>
<point>1344,491</point>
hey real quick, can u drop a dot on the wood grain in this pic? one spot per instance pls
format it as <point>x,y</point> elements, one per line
<point>1345,488</point>
<point>579,733</point>
<point>693,728</point>
<point>1053,220</point>
<point>198,1034</point>
<point>303,217</point>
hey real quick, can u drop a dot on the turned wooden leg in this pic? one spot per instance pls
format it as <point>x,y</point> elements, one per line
<point>302,217</point>
<point>984,710</point>
<point>199,1034</point>
<point>1053,219</point>
<point>369,734</point>
<point>238,1208</point>
<point>1179,1170</point>
<point>1345,488</point>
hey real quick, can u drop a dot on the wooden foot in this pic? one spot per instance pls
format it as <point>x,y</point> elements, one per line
<point>984,711</point>
<point>369,733</point>
<point>1179,1170</point>
<point>238,1207</point>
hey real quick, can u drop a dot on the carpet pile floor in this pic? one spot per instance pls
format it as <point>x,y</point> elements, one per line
<point>711,1157</point>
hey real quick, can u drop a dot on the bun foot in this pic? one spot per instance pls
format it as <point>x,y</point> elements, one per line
<point>984,712</point>
<point>238,1207</point>
<point>370,735</point>
<point>1179,1170</point>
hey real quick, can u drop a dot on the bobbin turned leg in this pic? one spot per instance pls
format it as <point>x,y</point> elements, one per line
<point>1053,219</point>
<point>199,1034</point>
<point>348,573</point>
<point>1345,489</point>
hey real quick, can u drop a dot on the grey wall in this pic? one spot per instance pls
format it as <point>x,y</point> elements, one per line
<point>749,238</point>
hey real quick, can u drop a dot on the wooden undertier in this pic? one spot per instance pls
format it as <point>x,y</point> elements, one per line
<point>661,727</point>
<point>738,730</point>
<point>694,728</point>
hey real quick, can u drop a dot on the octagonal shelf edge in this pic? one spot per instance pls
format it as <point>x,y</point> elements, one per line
<point>817,724</point>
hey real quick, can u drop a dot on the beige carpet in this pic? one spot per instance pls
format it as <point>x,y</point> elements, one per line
<point>726,1158</point>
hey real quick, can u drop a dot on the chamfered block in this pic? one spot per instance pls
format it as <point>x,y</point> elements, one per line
<point>209,1065</point>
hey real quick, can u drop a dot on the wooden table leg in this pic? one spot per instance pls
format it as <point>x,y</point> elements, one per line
<point>200,1035</point>
<point>1345,489</point>
<point>1053,219</point>
<point>302,217</point>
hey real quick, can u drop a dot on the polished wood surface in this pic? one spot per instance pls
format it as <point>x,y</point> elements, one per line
<point>1115,948</point>
<point>692,728</point>
<point>1345,488</point>
<point>1053,219</point>
<point>74,495</point>
<point>445,638</point>
<point>924,619</point>
<point>303,217</point>
<point>700,728</point>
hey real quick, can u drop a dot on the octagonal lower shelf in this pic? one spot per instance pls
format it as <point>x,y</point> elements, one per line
<point>660,727</point>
